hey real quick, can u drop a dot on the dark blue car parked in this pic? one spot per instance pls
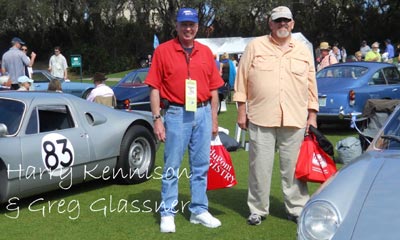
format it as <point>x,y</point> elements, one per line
<point>133,94</point>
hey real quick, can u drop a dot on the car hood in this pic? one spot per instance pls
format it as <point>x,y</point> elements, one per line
<point>337,84</point>
<point>379,217</point>
<point>366,194</point>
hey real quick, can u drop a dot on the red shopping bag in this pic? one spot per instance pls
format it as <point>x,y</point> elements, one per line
<point>221,173</point>
<point>313,164</point>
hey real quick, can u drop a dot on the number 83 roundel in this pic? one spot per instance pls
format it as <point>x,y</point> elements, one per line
<point>57,152</point>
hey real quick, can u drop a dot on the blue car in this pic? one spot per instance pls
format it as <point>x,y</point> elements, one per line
<point>344,88</point>
<point>133,94</point>
<point>42,78</point>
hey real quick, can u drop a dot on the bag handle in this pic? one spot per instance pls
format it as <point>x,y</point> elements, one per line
<point>216,141</point>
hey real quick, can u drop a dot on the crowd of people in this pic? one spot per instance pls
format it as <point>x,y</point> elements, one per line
<point>327,55</point>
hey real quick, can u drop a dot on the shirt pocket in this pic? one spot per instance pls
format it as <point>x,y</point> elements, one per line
<point>264,63</point>
<point>299,66</point>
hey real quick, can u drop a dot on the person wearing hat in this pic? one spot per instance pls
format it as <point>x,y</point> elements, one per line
<point>276,93</point>
<point>24,83</point>
<point>326,58</point>
<point>14,62</point>
<point>184,77</point>
<point>101,89</point>
<point>373,55</point>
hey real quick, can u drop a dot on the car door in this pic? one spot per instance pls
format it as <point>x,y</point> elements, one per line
<point>54,149</point>
<point>392,77</point>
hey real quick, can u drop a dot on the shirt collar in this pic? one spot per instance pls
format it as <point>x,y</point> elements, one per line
<point>178,47</point>
<point>272,40</point>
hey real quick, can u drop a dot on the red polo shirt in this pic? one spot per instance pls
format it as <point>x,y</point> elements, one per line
<point>170,68</point>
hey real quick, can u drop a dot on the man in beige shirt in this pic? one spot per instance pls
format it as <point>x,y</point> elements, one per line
<point>276,81</point>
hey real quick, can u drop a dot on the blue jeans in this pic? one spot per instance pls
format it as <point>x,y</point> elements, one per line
<point>192,131</point>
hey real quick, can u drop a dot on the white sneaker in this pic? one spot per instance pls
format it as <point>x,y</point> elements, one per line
<point>167,224</point>
<point>206,219</point>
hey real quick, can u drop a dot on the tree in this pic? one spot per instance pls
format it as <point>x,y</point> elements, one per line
<point>112,34</point>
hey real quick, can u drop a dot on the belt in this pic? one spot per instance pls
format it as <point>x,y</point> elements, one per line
<point>199,104</point>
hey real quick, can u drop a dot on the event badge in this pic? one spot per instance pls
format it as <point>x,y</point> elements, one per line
<point>190,95</point>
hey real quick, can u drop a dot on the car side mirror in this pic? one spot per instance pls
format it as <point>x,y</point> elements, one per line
<point>3,130</point>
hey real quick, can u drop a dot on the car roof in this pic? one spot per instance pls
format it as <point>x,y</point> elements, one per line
<point>29,95</point>
<point>372,65</point>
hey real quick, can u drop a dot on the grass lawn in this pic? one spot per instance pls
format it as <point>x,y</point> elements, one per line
<point>104,210</point>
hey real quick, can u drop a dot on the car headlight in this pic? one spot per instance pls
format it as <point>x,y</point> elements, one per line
<point>319,221</point>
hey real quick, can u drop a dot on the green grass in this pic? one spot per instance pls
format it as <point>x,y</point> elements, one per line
<point>44,221</point>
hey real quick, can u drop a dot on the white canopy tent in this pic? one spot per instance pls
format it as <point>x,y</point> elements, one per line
<point>237,45</point>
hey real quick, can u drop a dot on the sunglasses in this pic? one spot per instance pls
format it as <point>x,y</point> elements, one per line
<point>279,20</point>
<point>24,49</point>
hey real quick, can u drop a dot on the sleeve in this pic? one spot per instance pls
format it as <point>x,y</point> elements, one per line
<point>154,76</point>
<point>50,60</point>
<point>25,59</point>
<point>91,96</point>
<point>216,79</point>
<point>65,64</point>
<point>240,86</point>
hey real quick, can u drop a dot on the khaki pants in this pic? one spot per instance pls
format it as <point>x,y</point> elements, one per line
<point>261,159</point>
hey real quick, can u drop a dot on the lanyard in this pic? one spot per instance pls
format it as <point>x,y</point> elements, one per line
<point>188,53</point>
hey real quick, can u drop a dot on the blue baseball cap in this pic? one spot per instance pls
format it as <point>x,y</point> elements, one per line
<point>17,40</point>
<point>187,15</point>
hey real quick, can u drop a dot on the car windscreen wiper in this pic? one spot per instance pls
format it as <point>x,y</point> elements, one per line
<point>391,137</point>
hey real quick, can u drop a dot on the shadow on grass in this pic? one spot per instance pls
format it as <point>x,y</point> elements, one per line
<point>150,201</point>
<point>339,129</point>
<point>236,200</point>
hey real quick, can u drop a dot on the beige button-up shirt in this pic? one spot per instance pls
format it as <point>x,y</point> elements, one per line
<point>279,87</point>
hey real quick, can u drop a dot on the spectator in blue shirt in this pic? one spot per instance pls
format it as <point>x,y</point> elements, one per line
<point>390,50</point>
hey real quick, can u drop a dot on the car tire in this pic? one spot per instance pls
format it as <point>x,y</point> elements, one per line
<point>137,156</point>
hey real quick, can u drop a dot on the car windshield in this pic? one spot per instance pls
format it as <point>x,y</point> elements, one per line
<point>11,113</point>
<point>39,77</point>
<point>353,72</point>
<point>390,137</point>
<point>136,78</point>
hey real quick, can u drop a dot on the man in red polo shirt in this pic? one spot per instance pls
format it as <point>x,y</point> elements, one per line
<point>184,77</point>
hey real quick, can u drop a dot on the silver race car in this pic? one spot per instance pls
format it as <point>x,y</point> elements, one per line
<point>55,140</point>
<point>361,201</point>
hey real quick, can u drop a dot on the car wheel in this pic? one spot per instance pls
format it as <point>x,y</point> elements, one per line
<point>137,156</point>
<point>86,93</point>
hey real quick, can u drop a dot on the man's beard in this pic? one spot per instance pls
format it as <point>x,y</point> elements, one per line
<point>282,33</point>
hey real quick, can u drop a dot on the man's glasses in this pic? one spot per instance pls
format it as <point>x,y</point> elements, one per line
<point>279,20</point>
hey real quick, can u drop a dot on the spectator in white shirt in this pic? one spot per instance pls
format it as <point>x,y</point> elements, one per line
<point>101,89</point>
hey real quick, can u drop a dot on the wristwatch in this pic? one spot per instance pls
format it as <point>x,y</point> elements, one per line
<point>155,117</point>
